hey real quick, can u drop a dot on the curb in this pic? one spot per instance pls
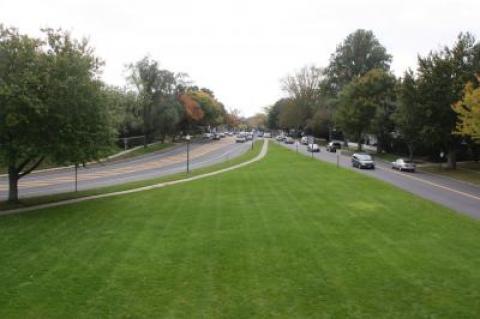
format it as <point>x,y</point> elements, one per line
<point>261,155</point>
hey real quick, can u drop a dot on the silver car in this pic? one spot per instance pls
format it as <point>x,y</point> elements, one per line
<point>362,160</point>
<point>403,165</point>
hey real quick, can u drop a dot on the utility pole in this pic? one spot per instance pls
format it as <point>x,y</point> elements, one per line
<point>76,177</point>
<point>187,138</point>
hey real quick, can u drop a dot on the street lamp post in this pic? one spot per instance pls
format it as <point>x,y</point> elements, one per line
<point>253,137</point>
<point>187,138</point>
<point>76,177</point>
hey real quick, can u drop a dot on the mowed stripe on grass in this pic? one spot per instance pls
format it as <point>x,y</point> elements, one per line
<point>287,237</point>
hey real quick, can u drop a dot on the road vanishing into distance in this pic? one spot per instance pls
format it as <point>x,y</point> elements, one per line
<point>162,163</point>
<point>457,195</point>
<point>460,196</point>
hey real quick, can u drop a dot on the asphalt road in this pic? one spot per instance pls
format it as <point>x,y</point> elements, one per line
<point>153,165</point>
<point>459,196</point>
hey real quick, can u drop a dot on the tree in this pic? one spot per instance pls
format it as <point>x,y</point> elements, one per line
<point>364,104</point>
<point>359,53</point>
<point>442,77</point>
<point>213,111</point>
<point>291,116</point>
<point>304,90</point>
<point>126,110</point>
<point>382,92</point>
<point>153,86</point>
<point>52,103</point>
<point>257,121</point>
<point>233,118</point>
<point>409,115</point>
<point>166,117</point>
<point>273,113</point>
<point>468,112</point>
<point>192,111</point>
<point>144,76</point>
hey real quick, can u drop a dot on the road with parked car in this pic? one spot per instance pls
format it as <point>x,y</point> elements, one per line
<point>211,149</point>
<point>460,196</point>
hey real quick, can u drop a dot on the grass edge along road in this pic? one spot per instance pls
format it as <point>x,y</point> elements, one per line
<point>285,237</point>
<point>40,200</point>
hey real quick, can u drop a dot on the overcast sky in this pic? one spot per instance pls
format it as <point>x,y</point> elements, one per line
<point>241,49</point>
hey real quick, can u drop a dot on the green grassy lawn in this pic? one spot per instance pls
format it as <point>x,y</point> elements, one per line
<point>467,172</point>
<point>152,148</point>
<point>287,237</point>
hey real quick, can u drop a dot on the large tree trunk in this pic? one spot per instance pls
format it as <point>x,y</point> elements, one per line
<point>13,178</point>
<point>452,158</point>
<point>17,172</point>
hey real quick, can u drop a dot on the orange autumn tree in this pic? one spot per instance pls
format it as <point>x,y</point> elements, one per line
<point>193,111</point>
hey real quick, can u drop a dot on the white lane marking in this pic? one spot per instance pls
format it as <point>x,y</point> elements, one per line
<point>430,183</point>
<point>418,180</point>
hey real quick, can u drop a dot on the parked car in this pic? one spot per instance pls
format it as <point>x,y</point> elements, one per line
<point>304,140</point>
<point>362,160</point>
<point>313,148</point>
<point>260,134</point>
<point>289,140</point>
<point>207,135</point>
<point>221,134</point>
<point>267,135</point>
<point>333,146</point>
<point>216,136</point>
<point>403,165</point>
<point>240,139</point>
<point>249,136</point>
<point>279,138</point>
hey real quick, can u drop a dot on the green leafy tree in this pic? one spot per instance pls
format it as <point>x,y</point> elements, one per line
<point>291,116</point>
<point>156,89</point>
<point>52,103</point>
<point>409,114</point>
<point>273,114</point>
<point>382,92</point>
<point>167,116</point>
<point>359,53</point>
<point>364,104</point>
<point>126,111</point>
<point>442,77</point>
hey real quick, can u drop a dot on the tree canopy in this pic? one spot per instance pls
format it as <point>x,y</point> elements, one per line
<point>53,105</point>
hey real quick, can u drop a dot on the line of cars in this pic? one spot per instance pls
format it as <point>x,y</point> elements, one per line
<point>242,137</point>
<point>363,160</point>
<point>215,135</point>
<point>358,160</point>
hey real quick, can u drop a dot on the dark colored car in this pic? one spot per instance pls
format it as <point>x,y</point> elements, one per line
<point>361,160</point>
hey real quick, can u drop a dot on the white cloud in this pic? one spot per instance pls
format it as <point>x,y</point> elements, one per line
<point>240,49</point>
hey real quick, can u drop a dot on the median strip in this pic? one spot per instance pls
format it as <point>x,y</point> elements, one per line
<point>261,155</point>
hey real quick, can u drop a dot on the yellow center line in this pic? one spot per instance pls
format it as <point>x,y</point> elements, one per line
<point>108,172</point>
